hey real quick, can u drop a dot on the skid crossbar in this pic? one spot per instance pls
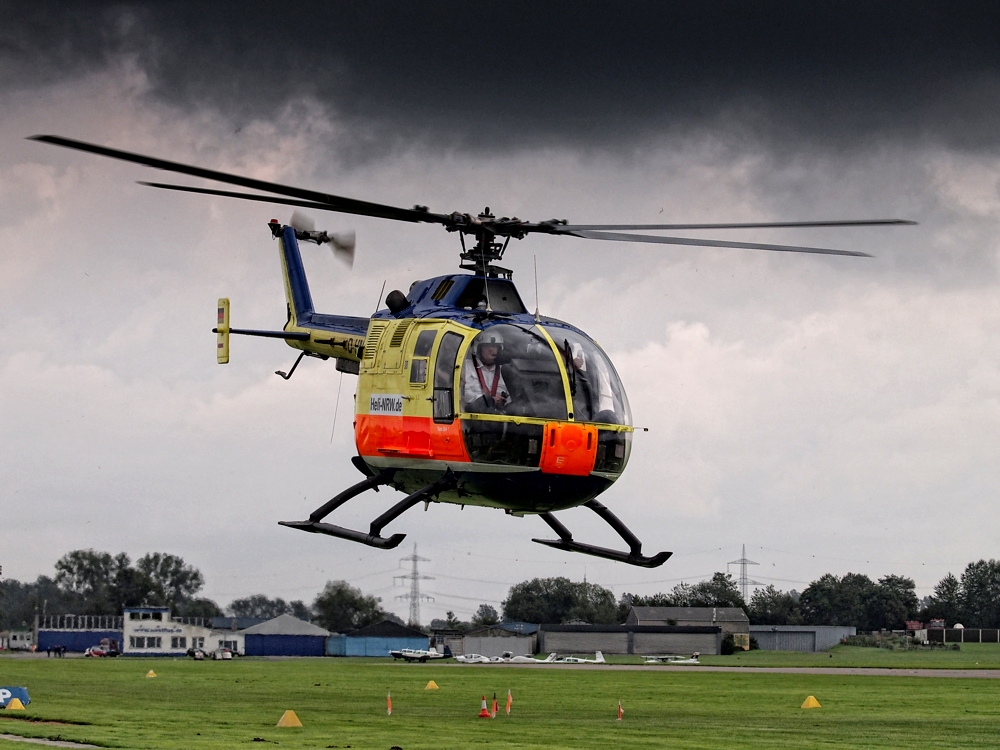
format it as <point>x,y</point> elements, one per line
<point>633,557</point>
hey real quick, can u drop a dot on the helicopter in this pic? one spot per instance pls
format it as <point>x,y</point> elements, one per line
<point>463,396</point>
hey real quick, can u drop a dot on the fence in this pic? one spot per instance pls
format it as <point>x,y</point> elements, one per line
<point>81,622</point>
<point>963,635</point>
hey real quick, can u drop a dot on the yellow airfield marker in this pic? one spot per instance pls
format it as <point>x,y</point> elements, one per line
<point>432,686</point>
<point>14,704</point>
<point>811,702</point>
<point>151,673</point>
<point>289,719</point>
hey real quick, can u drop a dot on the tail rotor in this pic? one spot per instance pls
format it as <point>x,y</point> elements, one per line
<point>342,244</point>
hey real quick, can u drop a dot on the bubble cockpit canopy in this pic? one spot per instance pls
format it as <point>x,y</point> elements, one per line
<point>515,370</point>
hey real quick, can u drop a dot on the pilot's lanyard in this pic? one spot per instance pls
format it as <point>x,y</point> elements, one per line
<point>489,392</point>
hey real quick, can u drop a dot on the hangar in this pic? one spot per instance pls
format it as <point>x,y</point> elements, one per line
<point>285,635</point>
<point>376,640</point>
<point>630,639</point>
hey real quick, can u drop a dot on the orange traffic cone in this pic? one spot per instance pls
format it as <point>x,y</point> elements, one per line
<point>496,708</point>
<point>484,712</point>
<point>388,703</point>
<point>621,711</point>
<point>510,700</point>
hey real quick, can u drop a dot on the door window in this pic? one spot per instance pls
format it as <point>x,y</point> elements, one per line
<point>444,378</point>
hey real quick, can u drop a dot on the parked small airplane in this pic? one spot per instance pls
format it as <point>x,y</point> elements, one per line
<point>420,654</point>
<point>472,659</point>
<point>532,660</point>
<point>693,659</point>
<point>580,660</point>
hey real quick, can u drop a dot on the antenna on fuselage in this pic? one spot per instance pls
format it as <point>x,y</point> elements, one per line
<point>535,260</point>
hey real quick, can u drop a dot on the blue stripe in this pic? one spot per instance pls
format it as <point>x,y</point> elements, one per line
<point>302,302</point>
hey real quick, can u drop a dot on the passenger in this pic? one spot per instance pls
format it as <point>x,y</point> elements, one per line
<point>484,389</point>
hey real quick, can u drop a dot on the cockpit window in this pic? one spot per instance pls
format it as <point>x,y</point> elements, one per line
<point>503,296</point>
<point>598,395</point>
<point>511,370</point>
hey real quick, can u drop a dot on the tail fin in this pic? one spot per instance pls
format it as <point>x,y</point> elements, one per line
<point>223,342</point>
<point>551,657</point>
<point>447,651</point>
<point>297,295</point>
<point>600,658</point>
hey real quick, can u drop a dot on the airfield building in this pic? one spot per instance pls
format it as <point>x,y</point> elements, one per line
<point>376,640</point>
<point>732,620</point>
<point>630,639</point>
<point>285,635</point>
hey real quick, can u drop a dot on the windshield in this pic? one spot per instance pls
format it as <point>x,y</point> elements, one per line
<point>512,370</point>
<point>598,395</point>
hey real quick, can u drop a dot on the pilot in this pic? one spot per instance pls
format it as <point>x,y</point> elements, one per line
<point>484,388</point>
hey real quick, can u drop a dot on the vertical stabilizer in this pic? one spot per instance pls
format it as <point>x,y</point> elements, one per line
<point>222,352</point>
<point>297,295</point>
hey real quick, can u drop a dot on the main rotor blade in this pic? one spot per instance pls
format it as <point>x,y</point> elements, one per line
<point>330,202</point>
<point>754,225</point>
<point>622,237</point>
<point>243,196</point>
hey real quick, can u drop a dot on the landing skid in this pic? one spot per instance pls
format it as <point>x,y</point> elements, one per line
<point>374,536</point>
<point>633,557</point>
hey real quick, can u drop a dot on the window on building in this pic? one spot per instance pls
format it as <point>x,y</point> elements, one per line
<point>146,615</point>
<point>178,641</point>
<point>134,615</point>
<point>153,642</point>
<point>157,615</point>
<point>198,642</point>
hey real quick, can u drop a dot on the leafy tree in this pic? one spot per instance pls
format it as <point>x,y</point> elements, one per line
<point>129,587</point>
<point>681,595</point>
<point>341,607</point>
<point>298,608</point>
<point>173,581</point>
<point>769,606</point>
<point>980,594</point>
<point>830,600</point>
<point>485,615</point>
<point>891,603</point>
<point>553,600</point>
<point>199,608</point>
<point>857,600</point>
<point>946,601</point>
<point>259,605</point>
<point>20,602</point>
<point>88,574</point>
<point>719,591</point>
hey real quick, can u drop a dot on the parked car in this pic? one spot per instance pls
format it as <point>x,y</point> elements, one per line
<point>106,647</point>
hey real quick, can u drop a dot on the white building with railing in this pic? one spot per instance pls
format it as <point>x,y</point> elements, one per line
<point>151,631</point>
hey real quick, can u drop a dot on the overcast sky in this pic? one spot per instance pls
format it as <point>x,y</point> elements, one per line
<point>833,414</point>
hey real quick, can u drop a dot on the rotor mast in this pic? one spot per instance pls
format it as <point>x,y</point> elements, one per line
<point>480,257</point>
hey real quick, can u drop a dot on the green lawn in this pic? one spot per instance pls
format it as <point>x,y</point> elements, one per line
<point>341,702</point>
<point>971,656</point>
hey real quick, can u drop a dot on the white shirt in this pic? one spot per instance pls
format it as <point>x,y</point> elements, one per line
<point>473,389</point>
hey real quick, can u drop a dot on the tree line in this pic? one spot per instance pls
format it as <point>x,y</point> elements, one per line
<point>852,599</point>
<point>87,582</point>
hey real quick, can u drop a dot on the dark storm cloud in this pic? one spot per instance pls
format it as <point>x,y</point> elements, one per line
<point>495,74</point>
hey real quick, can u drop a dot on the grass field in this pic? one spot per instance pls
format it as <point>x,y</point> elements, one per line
<point>341,702</point>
